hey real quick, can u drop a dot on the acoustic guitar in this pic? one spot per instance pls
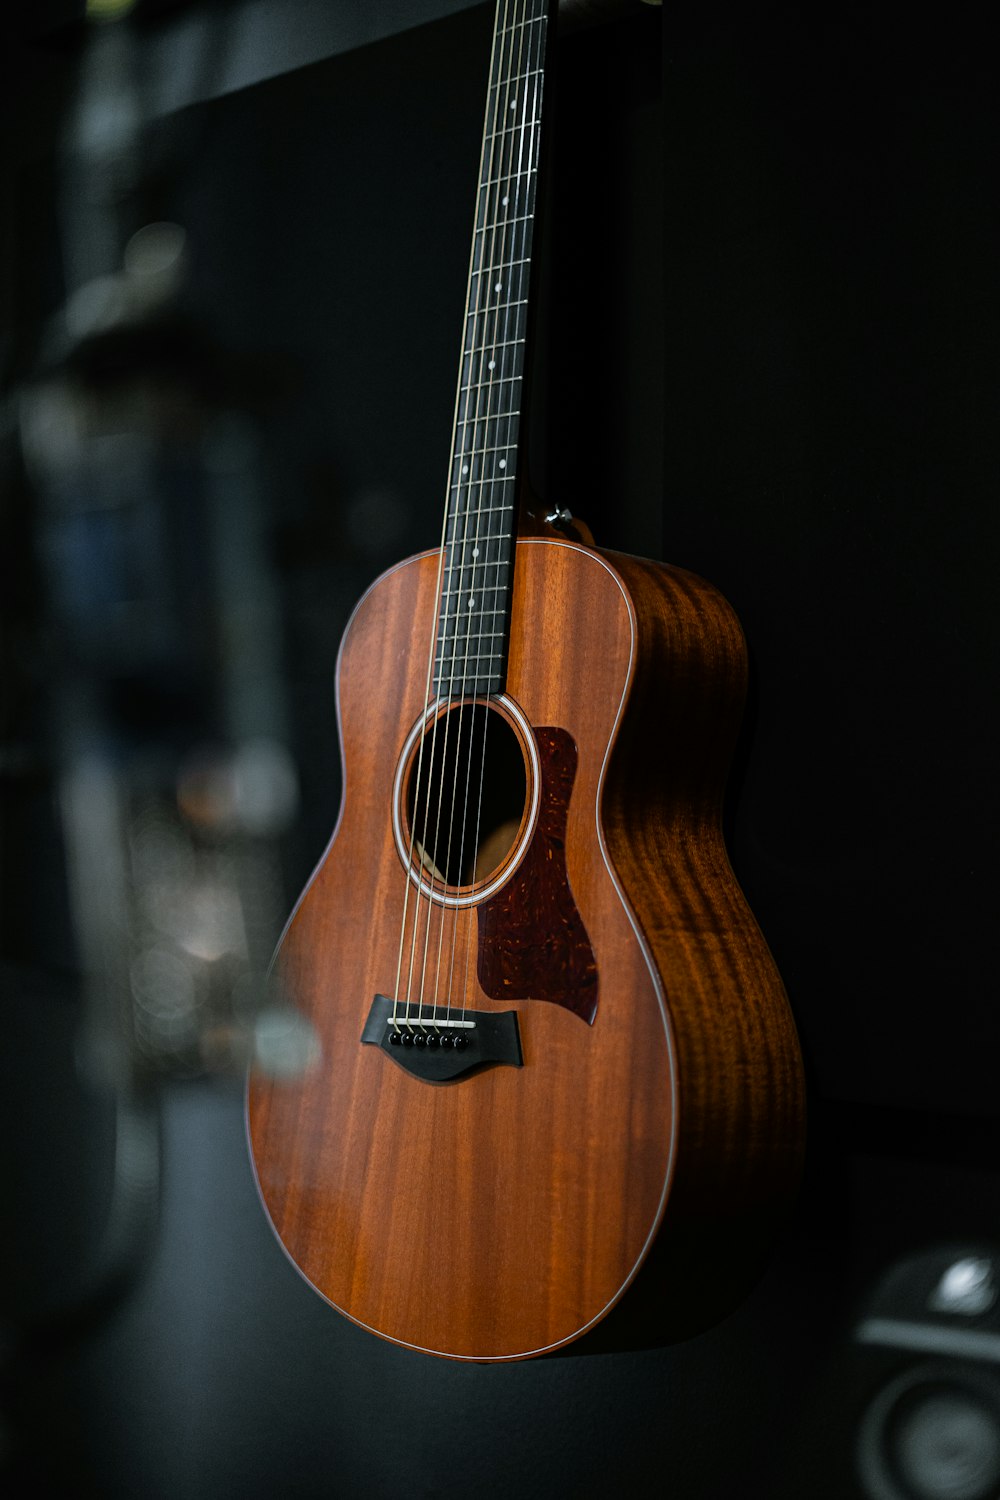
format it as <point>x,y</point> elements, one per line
<point>553,1045</point>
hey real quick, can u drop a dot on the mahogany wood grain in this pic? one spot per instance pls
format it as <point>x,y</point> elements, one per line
<point>502,1216</point>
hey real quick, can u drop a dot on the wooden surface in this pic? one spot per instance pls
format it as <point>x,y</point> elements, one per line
<point>501,1216</point>
<point>741,1100</point>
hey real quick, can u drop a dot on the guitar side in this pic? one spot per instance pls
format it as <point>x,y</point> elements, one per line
<point>503,1215</point>
<point>741,1103</point>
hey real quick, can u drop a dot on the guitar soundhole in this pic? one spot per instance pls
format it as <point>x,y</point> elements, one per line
<point>466,796</point>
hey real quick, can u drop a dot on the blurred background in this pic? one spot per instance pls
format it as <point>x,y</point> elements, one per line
<point>233,249</point>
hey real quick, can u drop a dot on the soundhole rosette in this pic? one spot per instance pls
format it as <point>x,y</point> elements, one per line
<point>415,787</point>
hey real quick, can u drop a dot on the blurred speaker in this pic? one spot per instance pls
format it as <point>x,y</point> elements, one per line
<point>910,1407</point>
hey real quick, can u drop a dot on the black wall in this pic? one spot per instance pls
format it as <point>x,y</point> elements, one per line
<point>767,351</point>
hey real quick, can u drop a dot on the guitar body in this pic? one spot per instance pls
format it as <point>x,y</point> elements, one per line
<point>657,1094</point>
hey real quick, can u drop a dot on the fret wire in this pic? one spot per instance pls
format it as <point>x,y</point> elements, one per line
<point>480,656</point>
<point>502,563</point>
<point>471,521</point>
<point>508,177</point>
<point>455,618</point>
<point>491,384</point>
<point>472,530</point>
<point>495,448</point>
<point>495,569</point>
<point>478,635</point>
<point>505,507</point>
<point>485,588</point>
<point>502,304</point>
<point>499,564</point>
<point>474,513</point>
<point>488,479</point>
<point>495,587</point>
<point>448,663</point>
<point>455,635</point>
<point>503,344</point>
<point>491,416</point>
<point>492,614</point>
<point>473,656</point>
<point>517,77</point>
<point>535,21</point>
<point>477,312</point>
<point>500,538</point>
<point>493,562</point>
<point>461,639</point>
<point>506,223</point>
<point>500,416</point>
<point>473,669</point>
<point>479,341</point>
<point>464,641</point>
<point>522,128</point>
<point>505,501</point>
<point>502,266</point>
<point>485,510</point>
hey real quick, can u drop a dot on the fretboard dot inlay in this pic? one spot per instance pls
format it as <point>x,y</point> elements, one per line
<point>503,463</point>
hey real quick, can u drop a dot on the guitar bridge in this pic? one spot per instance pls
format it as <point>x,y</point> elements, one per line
<point>439,1047</point>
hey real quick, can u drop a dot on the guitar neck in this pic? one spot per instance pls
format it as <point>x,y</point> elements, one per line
<point>474,613</point>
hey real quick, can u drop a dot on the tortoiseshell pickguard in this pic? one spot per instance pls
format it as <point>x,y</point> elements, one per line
<point>532,941</point>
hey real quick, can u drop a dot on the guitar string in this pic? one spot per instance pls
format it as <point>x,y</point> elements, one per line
<point>530,135</point>
<point>500,263</point>
<point>440,596</point>
<point>457,591</point>
<point>479,398</point>
<point>481,418</point>
<point>429,677</point>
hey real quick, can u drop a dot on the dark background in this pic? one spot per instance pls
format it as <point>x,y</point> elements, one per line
<point>768,352</point>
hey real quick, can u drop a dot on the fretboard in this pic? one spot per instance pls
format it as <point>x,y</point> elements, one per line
<point>474,613</point>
